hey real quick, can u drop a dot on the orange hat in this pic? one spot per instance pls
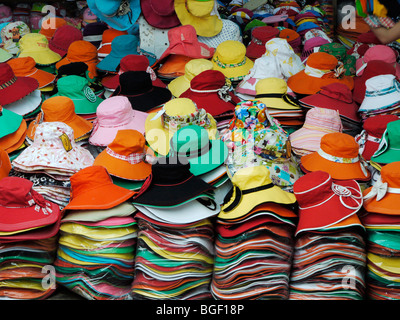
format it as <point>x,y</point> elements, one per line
<point>125,157</point>
<point>321,69</point>
<point>15,140</point>
<point>5,164</point>
<point>384,195</point>
<point>92,188</point>
<point>174,66</point>
<point>60,109</point>
<point>81,51</point>
<point>108,36</point>
<point>50,25</point>
<point>338,155</point>
<point>26,67</point>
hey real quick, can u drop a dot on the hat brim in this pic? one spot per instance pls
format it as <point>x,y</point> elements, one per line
<point>10,122</point>
<point>27,104</point>
<point>369,149</point>
<point>5,164</point>
<point>43,57</point>
<point>389,204</point>
<point>44,78</point>
<point>388,156</point>
<point>109,63</point>
<point>82,105</point>
<point>21,88</point>
<point>277,103</point>
<point>178,86</point>
<point>236,73</point>
<point>14,140</point>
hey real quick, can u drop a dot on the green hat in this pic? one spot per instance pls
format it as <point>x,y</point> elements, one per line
<point>192,144</point>
<point>77,88</point>
<point>340,52</point>
<point>5,55</point>
<point>389,146</point>
<point>9,122</point>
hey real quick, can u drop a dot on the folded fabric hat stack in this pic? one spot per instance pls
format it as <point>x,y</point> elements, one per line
<point>28,240</point>
<point>387,150</point>
<point>97,243</point>
<point>330,250</point>
<point>254,239</point>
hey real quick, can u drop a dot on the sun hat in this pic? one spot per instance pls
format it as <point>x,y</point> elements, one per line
<point>63,37</point>
<point>323,202</point>
<point>230,31</point>
<point>209,91</point>
<point>14,141</point>
<point>108,36</point>
<point>120,47</point>
<point>81,51</point>
<point>77,88</point>
<point>260,36</point>
<point>230,58</point>
<point>175,114</point>
<point>192,145</point>
<point>11,35</point>
<point>200,15</point>
<point>182,83</point>
<point>5,164</point>
<point>5,55</point>
<point>93,32</point>
<point>9,122</point>
<point>340,52</point>
<point>92,188</point>
<point>293,39</point>
<point>321,69</point>
<point>388,149</point>
<point>160,13</point>
<point>53,147</point>
<point>383,196</point>
<point>28,106</point>
<point>378,52</point>
<point>26,67</point>
<point>60,109</point>
<point>50,25</point>
<point>337,155</point>
<point>183,41</point>
<point>312,45</point>
<point>36,45</point>
<point>173,67</point>
<point>112,115</point>
<point>252,186</point>
<point>138,87</point>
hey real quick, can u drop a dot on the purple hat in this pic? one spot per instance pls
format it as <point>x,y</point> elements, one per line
<point>93,32</point>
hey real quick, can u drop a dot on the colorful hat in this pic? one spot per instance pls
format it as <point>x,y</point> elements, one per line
<point>321,69</point>
<point>9,122</point>
<point>60,109</point>
<point>324,203</point>
<point>50,25</point>
<point>192,145</point>
<point>6,14</point>
<point>182,83</point>
<point>293,39</point>
<point>252,186</point>
<point>311,45</point>
<point>340,52</point>
<point>5,55</point>
<point>230,31</point>
<point>63,37</point>
<point>114,114</point>
<point>5,164</point>
<point>209,91</point>
<point>383,196</point>
<point>92,188</point>
<point>11,34</point>
<point>200,15</point>
<point>77,88</point>
<point>260,36</point>
<point>389,145</point>
<point>36,45</point>
<point>28,105</point>
<point>230,58</point>
<point>93,32</point>
<point>108,36</point>
<point>88,17</point>
<point>175,114</point>
<point>378,52</point>
<point>160,14</point>
<point>26,67</point>
<point>126,156</point>
<point>337,155</point>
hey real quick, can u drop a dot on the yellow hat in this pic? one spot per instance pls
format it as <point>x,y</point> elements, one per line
<point>160,126</point>
<point>194,67</point>
<point>199,14</point>
<point>36,45</point>
<point>272,92</point>
<point>252,187</point>
<point>230,58</point>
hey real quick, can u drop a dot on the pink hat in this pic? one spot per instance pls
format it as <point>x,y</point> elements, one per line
<point>310,44</point>
<point>379,52</point>
<point>113,114</point>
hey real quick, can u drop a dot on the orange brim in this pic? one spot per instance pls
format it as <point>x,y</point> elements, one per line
<point>5,164</point>
<point>13,141</point>
<point>91,66</point>
<point>389,204</point>
<point>44,78</point>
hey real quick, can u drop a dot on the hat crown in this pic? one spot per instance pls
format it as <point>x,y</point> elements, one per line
<point>230,51</point>
<point>124,44</point>
<point>72,85</point>
<point>322,61</point>
<point>127,142</point>
<point>377,124</point>
<point>340,145</point>
<point>114,111</point>
<point>82,51</point>
<point>200,8</point>
<point>163,7</point>
<point>170,173</point>
<point>6,73</point>
<point>324,118</point>
<point>66,33</point>
<point>393,132</point>
<point>22,66</point>
<point>32,41</point>
<point>208,80</point>
<point>390,173</point>
<point>380,82</point>
<point>196,66</point>
<point>264,33</point>
<point>182,34</point>
<point>380,52</point>
<point>58,108</point>
<point>377,67</point>
<point>190,139</point>
<point>337,91</point>
<point>135,82</point>
<point>134,62</point>
<point>271,85</point>
<point>336,49</point>
<point>180,107</point>
<point>17,192</point>
<point>251,177</point>
<point>109,35</point>
<point>54,135</point>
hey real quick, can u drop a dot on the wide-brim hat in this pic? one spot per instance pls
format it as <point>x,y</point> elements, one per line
<point>5,164</point>
<point>9,122</point>
<point>15,140</point>
<point>388,150</point>
<point>5,56</point>
<point>160,14</point>
<point>63,37</point>
<point>36,46</point>
<point>27,104</point>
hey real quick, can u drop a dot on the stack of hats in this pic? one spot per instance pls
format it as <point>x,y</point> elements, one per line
<point>330,251</point>
<point>13,131</point>
<point>340,52</point>
<point>28,236</point>
<point>104,48</point>
<point>381,219</point>
<point>97,244</point>
<point>387,150</point>
<point>254,239</point>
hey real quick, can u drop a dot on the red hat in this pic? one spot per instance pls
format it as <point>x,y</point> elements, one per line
<point>63,37</point>
<point>323,203</point>
<point>208,91</point>
<point>260,36</point>
<point>160,13</point>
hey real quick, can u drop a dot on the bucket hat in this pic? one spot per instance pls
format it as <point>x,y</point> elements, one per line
<point>138,87</point>
<point>93,32</point>
<point>5,164</point>
<point>340,52</point>
<point>36,45</point>
<point>108,36</point>
<point>175,114</point>
<point>77,88</point>
<point>160,14</point>
<point>260,36</point>
<point>378,52</point>
<point>53,148</point>
<point>92,188</point>
<point>388,149</point>
<point>311,45</point>
<point>230,31</point>
<point>63,37</point>
<point>126,156</point>
<point>60,109</point>
<point>9,122</point>
<point>50,25</point>
<point>112,115</point>
<point>14,141</point>
<point>28,106</point>
<point>230,58</point>
<point>292,38</point>
<point>200,15</point>
<point>120,47</point>
<point>337,155</point>
<point>26,67</point>
<point>192,145</point>
<point>11,35</point>
<point>324,203</point>
<point>383,196</point>
<point>182,83</point>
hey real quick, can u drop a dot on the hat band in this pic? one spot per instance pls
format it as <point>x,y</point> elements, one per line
<point>316,73</point>
<point>229,65</point>
<point>379,190</point>
<point>287,98</point>
<point>8,83</point>
<point>257,42</point>
<point>332,158</point>
<point>320,128</point>
<point>133,158</point>
<point>395,88</point>
<point>193,154</point>
<point>223,92</point>
<point>93,38</point>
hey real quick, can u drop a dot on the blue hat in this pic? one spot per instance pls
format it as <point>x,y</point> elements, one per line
<point>115,14</point>
<point>306,26</point>
<point>122,46</point>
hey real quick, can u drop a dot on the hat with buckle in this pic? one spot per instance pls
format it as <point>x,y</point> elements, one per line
<point>160,13</point>
<point>5,164</point>
<point>63,37</point>
<point>389,146</point>
<point>260,36</point>
<point>36,45</point>
<point>11,35</point>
